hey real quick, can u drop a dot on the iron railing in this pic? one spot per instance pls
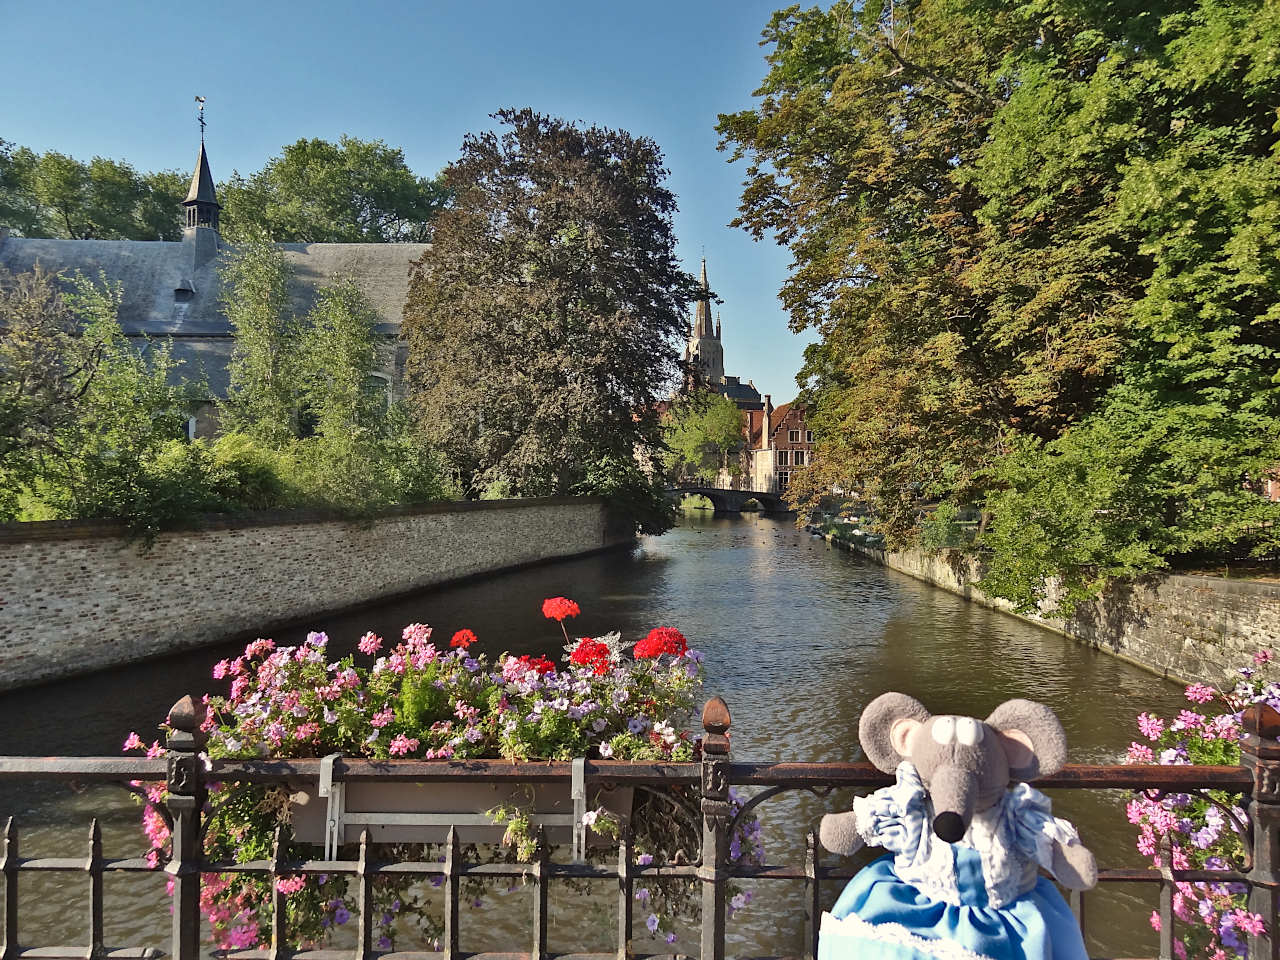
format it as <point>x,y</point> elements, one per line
<point>1257,779</point>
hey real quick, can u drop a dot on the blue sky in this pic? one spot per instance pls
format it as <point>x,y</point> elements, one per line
<point>117,79</point>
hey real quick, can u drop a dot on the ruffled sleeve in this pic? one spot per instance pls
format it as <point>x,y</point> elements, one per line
<point>1035,829</point>
<point>894,817</point>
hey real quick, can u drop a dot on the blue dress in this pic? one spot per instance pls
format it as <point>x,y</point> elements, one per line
<point>978,899</point>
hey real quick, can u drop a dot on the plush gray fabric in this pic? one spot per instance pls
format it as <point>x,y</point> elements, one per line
<point>1045,730</point>
<point>878,718</point>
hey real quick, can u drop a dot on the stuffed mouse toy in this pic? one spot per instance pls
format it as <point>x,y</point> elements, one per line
<point>965,846</point>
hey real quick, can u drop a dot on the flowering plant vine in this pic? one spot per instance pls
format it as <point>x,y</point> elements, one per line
<point>1198,831</point>
<point>416,699</point>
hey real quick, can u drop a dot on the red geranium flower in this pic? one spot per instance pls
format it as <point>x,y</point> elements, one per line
<point>540,664</point>
<point>593,654</point>
<point>662,640</point>
<point>557,608</point>
<point>463,639</point>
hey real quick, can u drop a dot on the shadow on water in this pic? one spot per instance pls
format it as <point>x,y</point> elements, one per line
<point>799,637</point>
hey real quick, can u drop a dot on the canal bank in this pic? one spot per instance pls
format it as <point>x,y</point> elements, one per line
<point>77,597</point>
<point>1184,628</point>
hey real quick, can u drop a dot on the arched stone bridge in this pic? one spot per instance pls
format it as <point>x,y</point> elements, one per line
<point>731,501</point>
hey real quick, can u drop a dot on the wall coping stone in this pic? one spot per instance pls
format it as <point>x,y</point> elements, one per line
<point>85,529</point>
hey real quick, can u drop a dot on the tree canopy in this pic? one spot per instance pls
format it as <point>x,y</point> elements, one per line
<point>543,325</point>
<point>352,191</point>
<point>1038,244</point>
<point>53,195</point>
<point>704,433</point>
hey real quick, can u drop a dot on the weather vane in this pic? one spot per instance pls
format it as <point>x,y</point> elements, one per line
<point>200,100</point>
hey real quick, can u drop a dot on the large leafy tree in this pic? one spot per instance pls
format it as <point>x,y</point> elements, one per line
<point>352,191</point>
<point>55,195</point>
<point>704,433</point>
<point>543,324</point>
<point>1035,240</point>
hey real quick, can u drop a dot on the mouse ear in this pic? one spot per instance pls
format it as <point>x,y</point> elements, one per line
<point>886,726</point>
<point>1033,738</point>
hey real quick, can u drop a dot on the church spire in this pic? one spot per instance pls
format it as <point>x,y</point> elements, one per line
<point>702,325</point>
<point>202,200</point>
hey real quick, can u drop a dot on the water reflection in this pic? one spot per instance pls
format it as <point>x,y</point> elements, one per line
<point>798,636</point>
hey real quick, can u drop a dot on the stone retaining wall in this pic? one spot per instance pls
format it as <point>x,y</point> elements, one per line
<point>77,597</point>
<point>1186,628</point>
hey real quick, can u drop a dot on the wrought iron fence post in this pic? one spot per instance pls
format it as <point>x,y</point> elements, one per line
<point>713,871</point>
<point>1260,753</point>
<point>186,802</point>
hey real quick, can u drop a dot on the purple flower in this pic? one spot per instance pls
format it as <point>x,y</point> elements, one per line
<point>671,938</point>
<point>384,942</point>
<point>636,725</point>
<point>644,859</point>
<point>652,922</point>
<point>341,915</point>
<point>643,894</point>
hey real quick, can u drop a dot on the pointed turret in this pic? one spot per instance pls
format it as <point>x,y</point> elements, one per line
<point>202,200</point>
<point>702,324</point>
<point>717,324</point>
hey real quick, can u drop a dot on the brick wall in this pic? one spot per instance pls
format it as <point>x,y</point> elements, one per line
<point>77,597</point>
<point>1186,628</point>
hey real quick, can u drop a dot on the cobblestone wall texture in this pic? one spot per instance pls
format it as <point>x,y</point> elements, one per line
<point>1186,628</point>
<point>77,597</point>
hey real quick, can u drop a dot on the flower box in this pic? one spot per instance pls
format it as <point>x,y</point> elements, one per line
<point>334,813</point>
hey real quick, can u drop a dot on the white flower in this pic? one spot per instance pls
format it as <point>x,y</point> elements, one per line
<point>589,818</point>
<point>606,751</point>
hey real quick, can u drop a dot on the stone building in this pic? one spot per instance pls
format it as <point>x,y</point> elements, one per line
<point>171,289</point>
<point>704,353</point>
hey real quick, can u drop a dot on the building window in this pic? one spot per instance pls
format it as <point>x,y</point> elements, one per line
<point>797,457</point>
<point>783,477</point>
<point>782,458</point>
<point>793,436</point>
<point>808,436</point>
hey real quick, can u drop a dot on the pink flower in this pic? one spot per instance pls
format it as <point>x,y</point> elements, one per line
<point>1262,656</point>
<point>155,750</point>
<point>402,746</point>
<point>383,718</point>
<point>1200,693</point>
<point>132,742</point>
<point>1155,919</point>
<point>291,884</point>
<point>1190,719</point>
<point>1151,726</point>
<point>1247,922</point>
<point>259,648</point>
<point>370,644</point>
<point>220,669</point>
<point>306,731</point>
<point>1140,753</point>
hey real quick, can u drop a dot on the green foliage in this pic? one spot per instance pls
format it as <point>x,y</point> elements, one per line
<point>543,324</point>
<point>1036,241</point>
<point>54,195</point>
<point>942,529</point>
<point>640,499</point>
<point>354,191</point>
<point>263,397</point>
<point>704,433</point>
<point>102,460</point>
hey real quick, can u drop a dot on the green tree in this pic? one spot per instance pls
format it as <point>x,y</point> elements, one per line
<point>264,393</point>
<point>1032,239</point>
<point>127,410</point>
<point>55,195</point>
<point>543,325</point>
<point>704,433</point>
<point>352,191</point>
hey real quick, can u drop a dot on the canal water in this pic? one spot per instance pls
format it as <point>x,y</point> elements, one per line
<point>798,637</point>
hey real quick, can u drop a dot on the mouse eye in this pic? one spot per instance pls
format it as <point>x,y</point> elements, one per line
<point>968,731</point>
<point>944,729</point>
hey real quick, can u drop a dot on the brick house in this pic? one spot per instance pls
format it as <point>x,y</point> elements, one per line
<point>774,452</point>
